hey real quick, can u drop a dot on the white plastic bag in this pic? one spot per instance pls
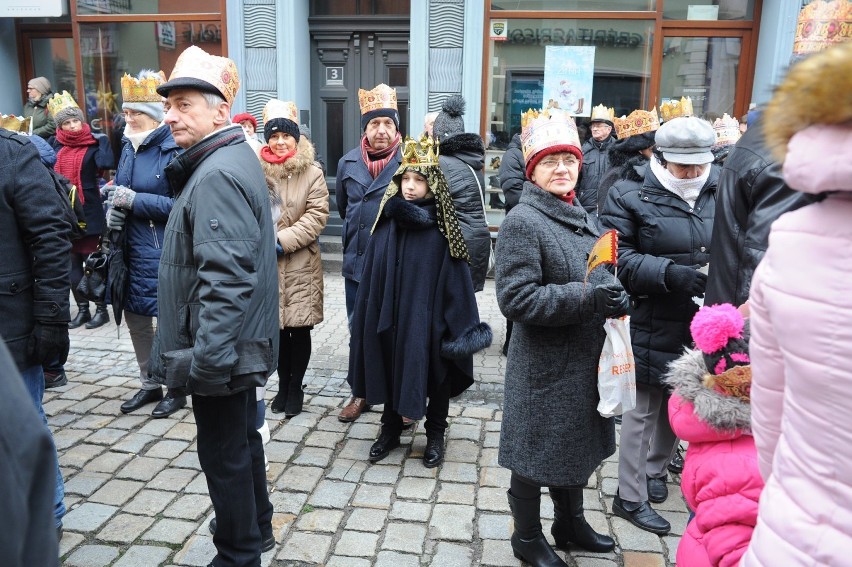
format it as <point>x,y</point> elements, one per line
<point>617,370</point>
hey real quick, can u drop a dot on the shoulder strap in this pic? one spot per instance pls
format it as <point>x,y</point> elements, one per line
<point>481,194</point>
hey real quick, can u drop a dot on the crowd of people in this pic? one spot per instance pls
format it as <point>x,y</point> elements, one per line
<point>216,234</point>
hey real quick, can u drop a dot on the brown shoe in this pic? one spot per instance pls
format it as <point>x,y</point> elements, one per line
<point>353,410</point>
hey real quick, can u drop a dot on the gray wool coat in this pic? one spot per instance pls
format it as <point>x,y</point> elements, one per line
<point>552,433</point>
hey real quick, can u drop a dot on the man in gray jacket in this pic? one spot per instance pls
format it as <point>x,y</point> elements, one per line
<point>217,335</point>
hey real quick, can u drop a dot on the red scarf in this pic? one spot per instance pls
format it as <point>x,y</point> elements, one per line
<point>376,160</point>
<point>69,159</point>
<point>269,156</point>
<point>568,197</point>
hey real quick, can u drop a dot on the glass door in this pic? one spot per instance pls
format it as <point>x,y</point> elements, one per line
<point>48,51</point>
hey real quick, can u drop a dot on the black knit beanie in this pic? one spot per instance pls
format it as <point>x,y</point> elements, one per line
<point>281,125</point>
<point>380,112</point>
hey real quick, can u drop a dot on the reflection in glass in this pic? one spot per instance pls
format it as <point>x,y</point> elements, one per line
<point>708,9</point>
<point>704,69</point>
<point>576,5</point>
<point>54,58</point>
<point>103,7</point>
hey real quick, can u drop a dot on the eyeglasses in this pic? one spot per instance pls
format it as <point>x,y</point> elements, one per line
<point>554,163</point>
<point>132,114</point>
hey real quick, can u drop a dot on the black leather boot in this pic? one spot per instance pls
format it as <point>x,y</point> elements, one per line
<point>570,525</point>
<point>100,318</point>
<point>83,316</point>
<point>528,543</point>
<point>295,397</point>
<point>279,402</point>
<point>433,455</point>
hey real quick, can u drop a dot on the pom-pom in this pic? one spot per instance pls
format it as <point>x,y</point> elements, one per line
<point>454,106</point>
<point>712,327</point>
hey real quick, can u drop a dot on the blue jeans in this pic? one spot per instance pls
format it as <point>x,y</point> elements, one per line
<point>34,381</point>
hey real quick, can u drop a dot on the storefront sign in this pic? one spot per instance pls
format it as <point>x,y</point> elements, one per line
<point>166,35</point>
<point>568,78</point>
<point>33,8</point>
<point>699,12</point>
<point>525,93</point>
<point>498,29</point>
<point>570,36</point>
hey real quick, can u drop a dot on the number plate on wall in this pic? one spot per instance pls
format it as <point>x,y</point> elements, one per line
<point>333,76</point>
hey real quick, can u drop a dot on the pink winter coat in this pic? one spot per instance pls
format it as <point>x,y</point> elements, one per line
<point>720,481</point>
<point>801,353</point>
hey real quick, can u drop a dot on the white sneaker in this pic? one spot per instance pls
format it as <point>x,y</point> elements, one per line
<point>264,432</point>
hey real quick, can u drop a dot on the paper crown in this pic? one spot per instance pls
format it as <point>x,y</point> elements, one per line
<point>676,108</point>
<point>198,65</point>
<point>380,97</point>
<point>822,24</point>
<point>280,109</point>
<point>638,122</point>
<point>735,381</point>
<point>727,131</point>
<point>600,112</point>
<point>541,129</point>
<point>61,101</point>
<point>15,123</point>
<point>423,152</point>
<point>143,89</point>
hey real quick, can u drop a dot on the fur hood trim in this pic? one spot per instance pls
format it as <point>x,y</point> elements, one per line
<point>461,142</point>
<point>473,340</point>
<point>724,413</point>
<point>634,169</point>
<point>408,214</point>
<point>297,164</point>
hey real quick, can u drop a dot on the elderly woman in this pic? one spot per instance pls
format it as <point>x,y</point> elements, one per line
<point>552,434</point>
<point>664,227</point>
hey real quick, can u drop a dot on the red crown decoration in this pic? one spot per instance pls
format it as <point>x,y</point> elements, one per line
<point>822,24</point>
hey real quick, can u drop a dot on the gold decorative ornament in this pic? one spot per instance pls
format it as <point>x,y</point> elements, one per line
<point>676,108</point>
<point>822,24</point>
<point>15,123</point>
<point>420,153</point>
<point>61,101</point>
<point>637,122</point>
<point>142,90</point>
<point>601,112</point>
<point>382,96</point>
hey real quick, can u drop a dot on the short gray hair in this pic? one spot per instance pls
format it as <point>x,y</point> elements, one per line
<point>213,99</point>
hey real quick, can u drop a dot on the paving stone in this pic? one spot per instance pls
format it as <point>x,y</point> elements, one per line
<point>116,492</point>
<point>142,468</point>
<point>69,541</point>
<point>288,502</point>
<point>197,486</point>
<point>452,555</point>
<point>355,449</point>
<point>493,526</point>
<point>635,559</point>
<point>594,562</point>
<point>108,462</point>
<point>188,507</point>
<point>129,421</point>
<point>356,544</point>
<point>458,472</point>
<point>671,544</point>
<point>340,561</point>
<point>462,431</point>
<point>170,531</point>
<point>68,437</point>
<point>93,421</point>
<point>498,553</point>
<point>331,494</point>
<point>187,460</point>
<point>310,548</point>
<point>454,493</point>
<point>415,488</point>
<point>631,538</point>
<point>172,479</point>
<point>331,423</point>
<point>413,468</point>
<point>382,474</point>
<point>320,520</point>
<point>313,456</point>
<point>198,551</point>
<point>367,520</point>
<point>325,439</point>
<point>678,520</point>
<point>107,436</point>
<point>488,458</point>
<point>182,431</point>
<point>144,556</point>
<point>372,496</point>
<point>405,537</point>
<point>86,406</point>
<point>157,427</point>
<point>280,452</point>
<point>485,413</point>
<point>92,556</point>
<point>368,431</point>
<point>346,469</point>
<point>80,454</point>
<point>495,500</point>
<point>291,433</point>
<point>166,449</point>
<point>494,477</point>
<point>395,559</point>
<point>452,522</point>
<point>133,443</point>
<point>85,482</point>
<point>149,502</point>
<point>88,517</point>
<point>124,528</point>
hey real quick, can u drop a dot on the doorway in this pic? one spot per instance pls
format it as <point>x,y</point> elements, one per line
<point>48,50</point>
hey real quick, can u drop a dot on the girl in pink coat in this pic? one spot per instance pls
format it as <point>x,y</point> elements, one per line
<point>710,410</point>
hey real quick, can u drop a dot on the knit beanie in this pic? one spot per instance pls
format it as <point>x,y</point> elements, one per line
<point>152,109</point>
<point>243,116</point>
<point>68,113</point>
<point>41,84</point>
<point>305,131</point>
<point>449,121</point>
<point>281,125</point>
<point>722,335</point>
<point>380,113</point>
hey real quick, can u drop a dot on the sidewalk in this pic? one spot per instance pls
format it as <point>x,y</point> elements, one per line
<point>137,498</point>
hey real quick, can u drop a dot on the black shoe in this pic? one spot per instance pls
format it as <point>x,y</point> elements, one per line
<point>658,490</point>
<point>570,525</point>
<point>433,455</point>
<point>265,545</point>
<point>54,379</point>
<point>169,405</point>
<point>676,466</point>
<point>279,402</point>
<point>528,543</point>
<point>141,398</point>
<point>83,316</point>
<point>386,443</point>
<point>100,318</point>
<point>295,398</point>
<point>641,515</point>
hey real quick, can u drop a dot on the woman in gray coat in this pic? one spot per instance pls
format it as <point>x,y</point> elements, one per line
<point>552,434</point>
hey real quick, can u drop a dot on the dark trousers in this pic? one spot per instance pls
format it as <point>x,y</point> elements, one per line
<point>436,413</point>
<point>294,353</point>
<point>231,454</point>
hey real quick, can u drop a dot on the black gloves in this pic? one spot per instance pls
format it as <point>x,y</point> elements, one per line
<point>610,300</point>
<point>49,343</point>
<point>686,280</point>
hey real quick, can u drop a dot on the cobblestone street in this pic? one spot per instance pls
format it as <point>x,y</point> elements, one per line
<point>136,496</point>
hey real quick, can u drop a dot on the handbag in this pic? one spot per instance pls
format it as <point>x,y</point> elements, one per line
<point>93,284</point>
<point>617,370</point>
<point>492,261</point>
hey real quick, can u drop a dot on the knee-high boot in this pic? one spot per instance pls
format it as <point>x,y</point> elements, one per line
<point>528,543</point>
<point>570,525</point>
<point>295,396</point>
<point>279,402</point>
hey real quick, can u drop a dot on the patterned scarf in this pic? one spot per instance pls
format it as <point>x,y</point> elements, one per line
<point>269,156</point>
<point>376,160</point>
<point>69,159</point>
<point>448,223</point>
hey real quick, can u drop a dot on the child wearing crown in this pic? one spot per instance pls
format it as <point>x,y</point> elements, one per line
<point>415,324</point>
<point>710,408</point>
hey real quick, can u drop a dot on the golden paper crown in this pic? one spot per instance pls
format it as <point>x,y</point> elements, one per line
<point>382,96</point>
<point>143,89</point>
<point>676,108</point>
<point>15,123</point>
<point>423,152</point>
<point>822,24</point>
<point>280,109</point>
<point>541,129</point>
<point>735,381</point>
<point>600,112</point>
<point>727,131</point>
<point>638,122</point>
<point>219,72</point>
<point>60,101</point>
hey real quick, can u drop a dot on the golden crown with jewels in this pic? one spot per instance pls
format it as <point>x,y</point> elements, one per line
<point>727,131</point>
<point>15,123</point>
<point>821,24</point>
<point>382,96</point>
<point>143,89</point>
<point>420,153</point>
<point>637,122</point>
<point>541,129</point>
<point>60,101</point>
<point>676,108</point>
<point>600,112</point>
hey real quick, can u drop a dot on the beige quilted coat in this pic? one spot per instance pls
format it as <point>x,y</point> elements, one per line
<point>303,194</point>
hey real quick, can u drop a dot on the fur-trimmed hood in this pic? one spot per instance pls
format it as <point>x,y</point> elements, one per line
<point>461,142</point>
<point>724,413</point>
<point>297,164</point>
<point>634,168</point>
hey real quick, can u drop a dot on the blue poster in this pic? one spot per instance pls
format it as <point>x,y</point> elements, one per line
<point>568,75</point>
<point>525,94</point>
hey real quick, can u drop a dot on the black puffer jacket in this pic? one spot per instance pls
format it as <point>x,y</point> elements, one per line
<point>460,154</point>
<point>655,229</point>
<point>512,173</point>
<point>595,165</point>
<point>752,195</point>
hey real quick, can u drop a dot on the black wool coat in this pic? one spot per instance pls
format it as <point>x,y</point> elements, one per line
<point>512,173</point>
<point>416,322</point>
<point>655,229</point>
<point>595,166</point>
<point>98,157</point>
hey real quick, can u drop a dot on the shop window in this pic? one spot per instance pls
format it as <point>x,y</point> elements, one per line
<point>360,7</point>
<point>708,9</point>
<point>577,5</point>
<point>111,7</point>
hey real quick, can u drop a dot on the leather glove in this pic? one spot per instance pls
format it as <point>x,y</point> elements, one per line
<point>611,301</point>
<point>116,218</point>
<point>685,279</point>
<point>49,343</point>
<point>122,197</point>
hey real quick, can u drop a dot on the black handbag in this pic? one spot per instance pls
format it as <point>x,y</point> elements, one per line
<point>93,284</point>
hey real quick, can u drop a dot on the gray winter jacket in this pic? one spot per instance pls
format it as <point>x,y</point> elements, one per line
<point>218,276</point>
